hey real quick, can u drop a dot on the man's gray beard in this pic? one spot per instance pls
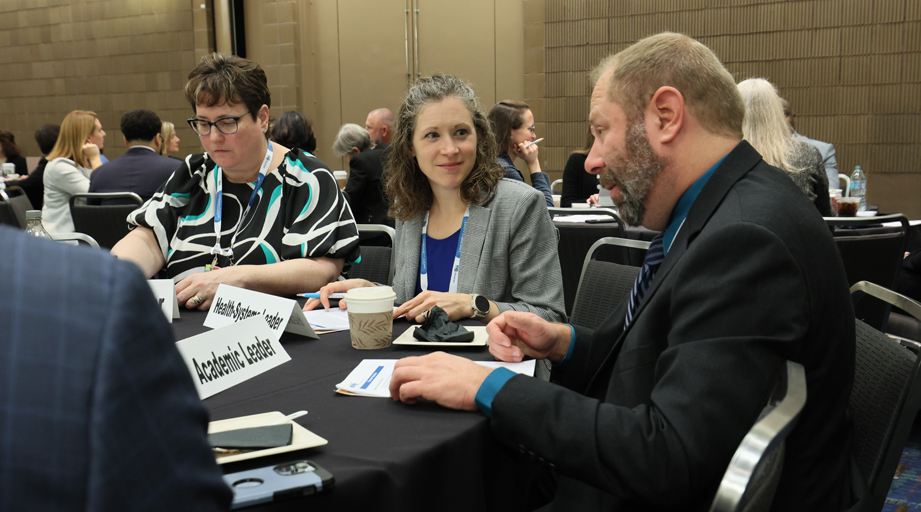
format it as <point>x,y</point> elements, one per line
<point>635,174</point>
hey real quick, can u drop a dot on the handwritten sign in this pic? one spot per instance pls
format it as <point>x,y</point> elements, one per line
<point>222,358</point>
<point>232,304</point>
<point>165,292</point>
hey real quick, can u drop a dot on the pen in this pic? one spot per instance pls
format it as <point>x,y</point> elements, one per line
<point>317,295</point>
<point>529,144</point>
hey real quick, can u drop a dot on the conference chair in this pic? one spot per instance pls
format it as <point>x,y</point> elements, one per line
<point>13,207</point>
<point>751,479</point>
<point>884,398</point>
<point>846,191</point>
<point>75,237</point>
<point>376,263</point>
<point>105,223</point>
<point>554,185</point>
<point>576,239</point>
<point>603,285</point>
<point>871,252</point>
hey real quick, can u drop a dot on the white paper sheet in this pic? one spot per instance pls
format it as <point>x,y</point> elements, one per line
<point>332,319</point>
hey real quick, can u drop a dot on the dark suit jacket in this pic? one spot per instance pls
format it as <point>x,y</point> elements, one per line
<point>648,418</point>
<point>139,170</point>
<point>33,184</point>
<point>364,188</point>
<point>98,412</point>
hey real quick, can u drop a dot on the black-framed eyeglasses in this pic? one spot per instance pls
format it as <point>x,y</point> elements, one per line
<point>226,125</point>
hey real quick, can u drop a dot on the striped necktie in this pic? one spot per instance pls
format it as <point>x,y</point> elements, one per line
<point>654,257</point>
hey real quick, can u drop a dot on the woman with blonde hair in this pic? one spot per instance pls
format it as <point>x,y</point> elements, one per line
<point>169,140</point>
<point>73,158</point>
<point>467,240</point>
<point>766,129</point>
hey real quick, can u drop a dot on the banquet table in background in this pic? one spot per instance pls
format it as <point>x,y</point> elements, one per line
<point>385,456</point>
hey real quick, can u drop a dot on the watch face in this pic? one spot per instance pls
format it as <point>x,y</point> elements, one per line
<point>482,303</point>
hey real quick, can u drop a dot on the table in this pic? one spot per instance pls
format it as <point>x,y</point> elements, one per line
<point>384,455</point>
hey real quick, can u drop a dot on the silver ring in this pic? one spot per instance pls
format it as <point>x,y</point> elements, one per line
<point>197,300</point>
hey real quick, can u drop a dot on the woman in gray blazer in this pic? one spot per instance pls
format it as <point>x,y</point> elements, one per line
<point>467,240</point>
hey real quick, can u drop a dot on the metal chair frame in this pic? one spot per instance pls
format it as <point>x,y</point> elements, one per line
<point>78,237</point>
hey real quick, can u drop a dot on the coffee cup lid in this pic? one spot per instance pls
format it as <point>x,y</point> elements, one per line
<point>370,293</point>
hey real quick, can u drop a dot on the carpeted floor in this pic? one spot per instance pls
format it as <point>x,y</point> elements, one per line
<point>905,493</point>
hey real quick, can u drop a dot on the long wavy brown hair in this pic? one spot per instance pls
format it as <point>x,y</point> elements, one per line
<point>406,186</point>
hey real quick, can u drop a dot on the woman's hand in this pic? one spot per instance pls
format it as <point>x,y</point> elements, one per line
<point>456,305</point>
<point>592,199</point>
<point>335,287</point>
<point>198,290</point>
<point>91,152</point>
<point>529,155</point>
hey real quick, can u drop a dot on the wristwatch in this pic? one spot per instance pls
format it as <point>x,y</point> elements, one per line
<point>480,305</point>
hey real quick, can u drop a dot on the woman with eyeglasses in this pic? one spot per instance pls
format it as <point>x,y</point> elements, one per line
<point>512,125</point>
<point>248,212</point>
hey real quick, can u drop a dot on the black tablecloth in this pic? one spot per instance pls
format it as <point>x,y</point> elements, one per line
<point>383,455</point>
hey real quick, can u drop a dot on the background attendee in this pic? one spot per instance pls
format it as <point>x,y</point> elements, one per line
<point>294,130</point>
<point>579,185</point>
<point>284,226</point>
<point>90,385</point>
<point>380,124</point>
<point>446,192</point>
<point>33,184</point>
<point>513,127</point>
<point>9,153</point>
<point>827,149</point>
<point>73,158</point>
<point>364,188</point>
<point>169,141</point>
<point>766,130</point>
<point>351,140</point>
<point>646,411</point>
<point>141,169</point>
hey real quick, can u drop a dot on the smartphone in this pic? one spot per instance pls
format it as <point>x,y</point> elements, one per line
<point>277,483</point>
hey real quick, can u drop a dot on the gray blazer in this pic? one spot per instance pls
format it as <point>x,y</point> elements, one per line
<point>509,254</point>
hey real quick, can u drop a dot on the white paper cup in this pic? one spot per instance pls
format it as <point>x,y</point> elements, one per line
<point>371,316</point>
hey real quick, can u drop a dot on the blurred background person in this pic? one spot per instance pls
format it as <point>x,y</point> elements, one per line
<point>73,158</point>
<point>380,123</point>
<point>446,191</point>
<point>169,141</point>
<point>351,140</point>
<point>765,128</point>
<point>9,153</point>
<point>365,188</point>
<point>579,186</point>
<point>826,148</point>
<point>512,126</point>
<point>33,184</point>
<point>284,227</point>
<point>294,130</point>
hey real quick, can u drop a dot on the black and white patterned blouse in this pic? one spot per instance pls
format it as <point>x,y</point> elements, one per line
<point>299,213</point>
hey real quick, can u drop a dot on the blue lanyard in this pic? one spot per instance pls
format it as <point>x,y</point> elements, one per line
<point>423,263</point>
<point>219,206</point>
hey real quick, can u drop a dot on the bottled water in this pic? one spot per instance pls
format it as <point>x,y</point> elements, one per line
<point>859,187</point>
<point>34,224</point>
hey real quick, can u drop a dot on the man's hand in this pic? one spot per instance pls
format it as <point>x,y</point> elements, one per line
<point>513,335</point>
<point>450,381</point>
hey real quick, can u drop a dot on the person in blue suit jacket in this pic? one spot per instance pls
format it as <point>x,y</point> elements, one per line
<point>142,169</point>
<point>97,409</point>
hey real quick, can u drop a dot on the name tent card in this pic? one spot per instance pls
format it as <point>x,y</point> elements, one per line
<point>222,358</point>
<point>165,292</point>
<point>232,304</point>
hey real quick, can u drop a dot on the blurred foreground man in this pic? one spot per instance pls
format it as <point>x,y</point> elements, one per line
<point>645,412</point>
<point>98,412</point>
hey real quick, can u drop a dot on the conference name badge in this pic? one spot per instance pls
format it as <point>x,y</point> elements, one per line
<point>232,304</point>
<point>165,292</point>
<point>222,358</point>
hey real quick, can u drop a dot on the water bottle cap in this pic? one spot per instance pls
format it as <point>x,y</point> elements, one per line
<point>33,215</point>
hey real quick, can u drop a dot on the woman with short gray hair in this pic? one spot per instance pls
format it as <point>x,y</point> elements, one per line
<point>351,140</point>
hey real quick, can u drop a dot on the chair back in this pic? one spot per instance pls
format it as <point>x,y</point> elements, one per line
<point>751,479</point>
<point>846,191</point>
<point>554,185</point>
<point>376,263</point>
<point>603,285</point>
<point>75,237</point>
<point>13,207</point>
<point>884,399</point>
<point>105,223</point>
<point>871,252</point>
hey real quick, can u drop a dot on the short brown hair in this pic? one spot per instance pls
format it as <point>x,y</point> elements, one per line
<point>406,186</point>
<point>506,116</point>
<point>227,79</point>
<point>676,60</point>
<point>75,129</point>
<point>8,144</point>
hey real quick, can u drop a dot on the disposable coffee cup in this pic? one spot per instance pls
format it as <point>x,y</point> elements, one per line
<point>371,316</point>
<point>847,206</point>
